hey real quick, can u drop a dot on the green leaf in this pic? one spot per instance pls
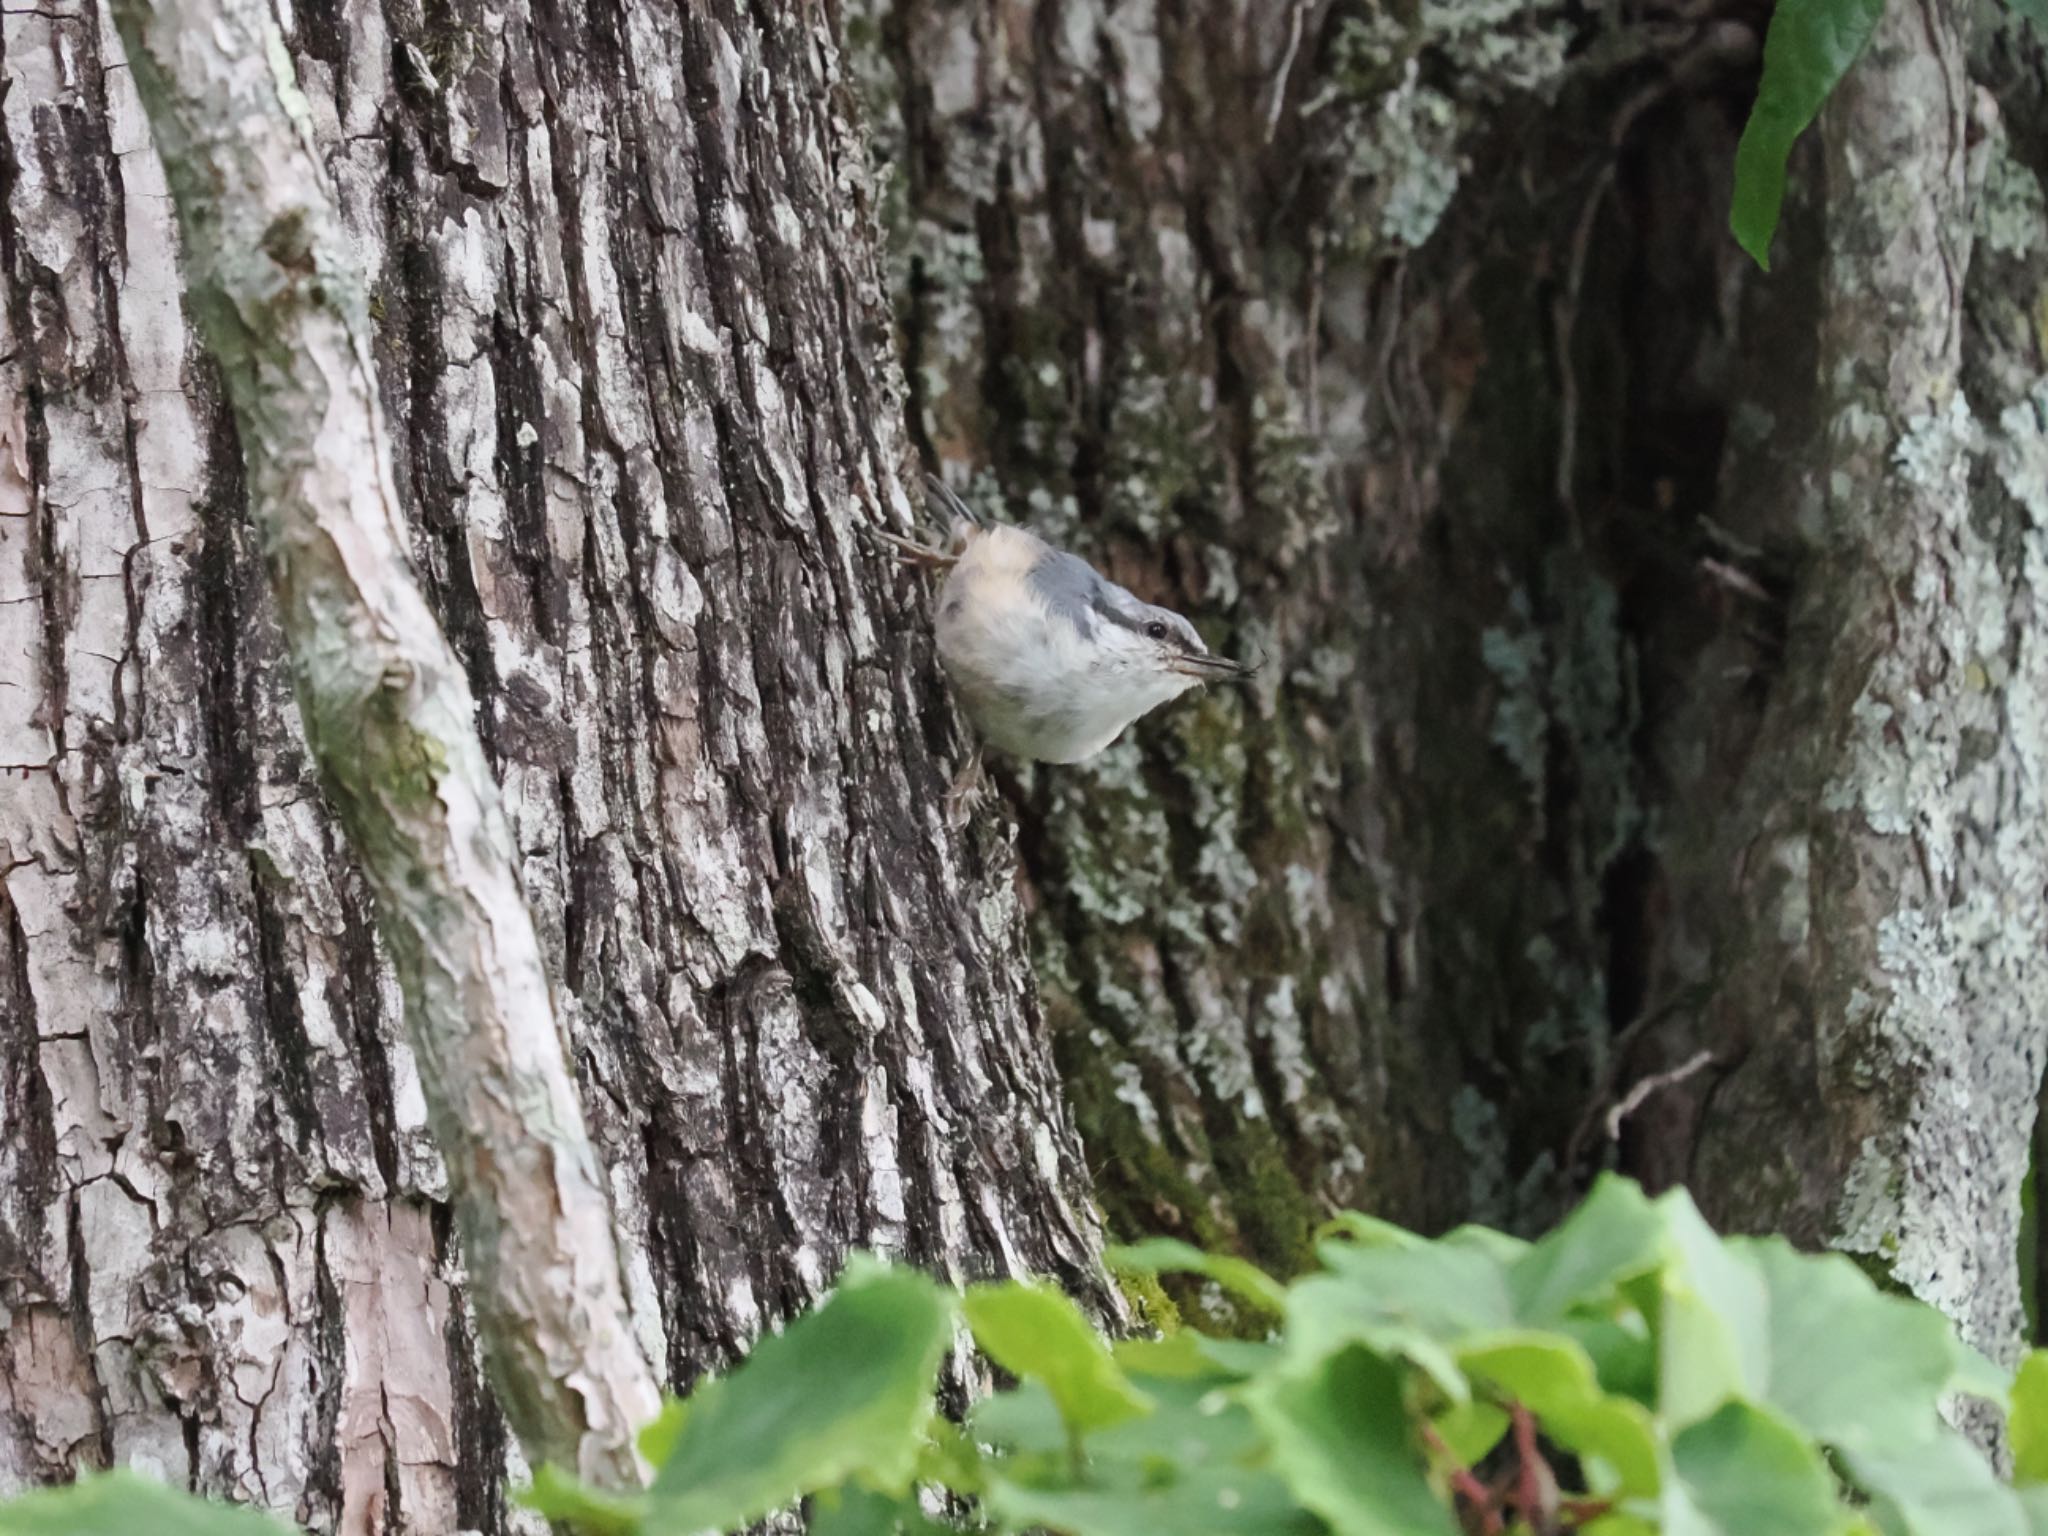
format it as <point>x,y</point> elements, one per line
<point>2034,1505</point>
<point>1850,1365</point>
<point>2028,1422</point>
<point>1033,1331</point>
<point>1748,1473</point>
<point>855,1511</point>
<point>127,1504</point>
<point>1181,1355</point>
<point>1192,1424</point>
<point>1166,1256</point>
<point>1200,1501</point>
<point>1940,1486</point>
<point>950,1459</point>
<point>845,1389</point>
<point>560,1497</point>
<point>1340,1436</point>
<point>658,1440</point>
<point>1024,1421</point>
<point>1554,1379</point>
<point>1407,1301</point>
<point>1471,1429</point>
<point>1613,1236</point>
<point>1809,47</point>
<point>1713,1328</point>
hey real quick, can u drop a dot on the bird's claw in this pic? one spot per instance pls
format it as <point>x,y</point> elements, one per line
<point>910,552</point>
<point>968,787</point>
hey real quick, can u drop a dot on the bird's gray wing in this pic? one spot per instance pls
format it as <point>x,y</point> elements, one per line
<point>1069,588</point>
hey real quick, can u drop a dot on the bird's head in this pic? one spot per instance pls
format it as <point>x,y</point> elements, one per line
<point>1154,647</point>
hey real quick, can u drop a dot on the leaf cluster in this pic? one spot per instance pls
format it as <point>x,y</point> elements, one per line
<point>1631,1374</point>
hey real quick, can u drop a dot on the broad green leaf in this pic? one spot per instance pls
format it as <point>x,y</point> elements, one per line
<point>1201,1501</point>
<point>1713,1328</point>
<point>1613,1236</point>
<point>1849,1364</point>
<point>854,1511</point>
<point>1237,1357</point>
<point>1351,1228</point>
<point>1749,1473</point>
<point>1022,1421</point>
<point>1471,1429</point>
<point>2034,1506</point>
<point>1940,1486</point>
<point>1366,1231</point>
<point>658,1440</point>
<point>2028,1422</point>
<point>1411,1302</point>
<point>1192,1424</point>
<point>1034,1332</point>
<point>949,1458</point>
<point>1166,1256</point>
<point>1443,1289</point>
<point>127,1504</point>
<point>1179,1355</point>
<point>560,1497</point>
<point>1553,1378</point>
<point>1340,1435</point>
<point>844,1390</point>
<point>1623,1352</point>
<point>1808,48</point>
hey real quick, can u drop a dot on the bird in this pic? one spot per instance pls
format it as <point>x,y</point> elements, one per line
<point>1050,659</point>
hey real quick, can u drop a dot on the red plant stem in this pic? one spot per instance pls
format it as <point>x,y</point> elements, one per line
<point>1464,1484</point>
<point>1528,1492</point>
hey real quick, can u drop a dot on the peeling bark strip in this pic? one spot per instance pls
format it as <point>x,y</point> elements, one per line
<point>389,715</point>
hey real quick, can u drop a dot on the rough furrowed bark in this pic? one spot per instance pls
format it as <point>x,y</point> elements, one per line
<point>630,335</point>
<point>1357,935</point>
<point>390,720</point>
<point>1883,988</point>
<point>1608,742</point>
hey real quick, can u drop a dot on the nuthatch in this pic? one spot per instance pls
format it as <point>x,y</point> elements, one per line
<point>1050,659</point>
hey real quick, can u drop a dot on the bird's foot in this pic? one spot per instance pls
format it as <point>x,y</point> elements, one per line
<point>910,552</point>
<point>968,788</point>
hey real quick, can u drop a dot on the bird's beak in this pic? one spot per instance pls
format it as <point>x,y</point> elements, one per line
<point>1214,669</point>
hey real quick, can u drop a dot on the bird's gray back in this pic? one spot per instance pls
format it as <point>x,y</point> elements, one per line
<point>1070,589</point>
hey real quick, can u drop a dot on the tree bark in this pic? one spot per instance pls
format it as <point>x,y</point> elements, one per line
<point>630,332</point>
<point>390,721</point>
<point>1650,671</point>
<point>1653,704</point>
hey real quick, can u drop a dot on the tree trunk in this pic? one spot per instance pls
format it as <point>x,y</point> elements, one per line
<point>632,339</point>
<point>1652,724</point>
<point>1645,770</point>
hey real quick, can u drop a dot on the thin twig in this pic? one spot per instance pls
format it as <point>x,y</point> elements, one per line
<point>1650,1085</point>
<point>1285,70</point>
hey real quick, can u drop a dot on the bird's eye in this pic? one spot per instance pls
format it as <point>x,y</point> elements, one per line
<point>1155,631</point>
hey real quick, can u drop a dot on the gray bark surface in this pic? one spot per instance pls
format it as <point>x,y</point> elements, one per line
<point>391,724</point>
<point>1652,671</point>
<point>631,336</point>
<point>1654,701</point>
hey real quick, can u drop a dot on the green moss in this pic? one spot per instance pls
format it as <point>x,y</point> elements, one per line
<point>1275,1213</point>
<point>1148,1300</point>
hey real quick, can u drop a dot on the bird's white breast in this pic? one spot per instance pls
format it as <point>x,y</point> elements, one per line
<point>1032,683</point>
